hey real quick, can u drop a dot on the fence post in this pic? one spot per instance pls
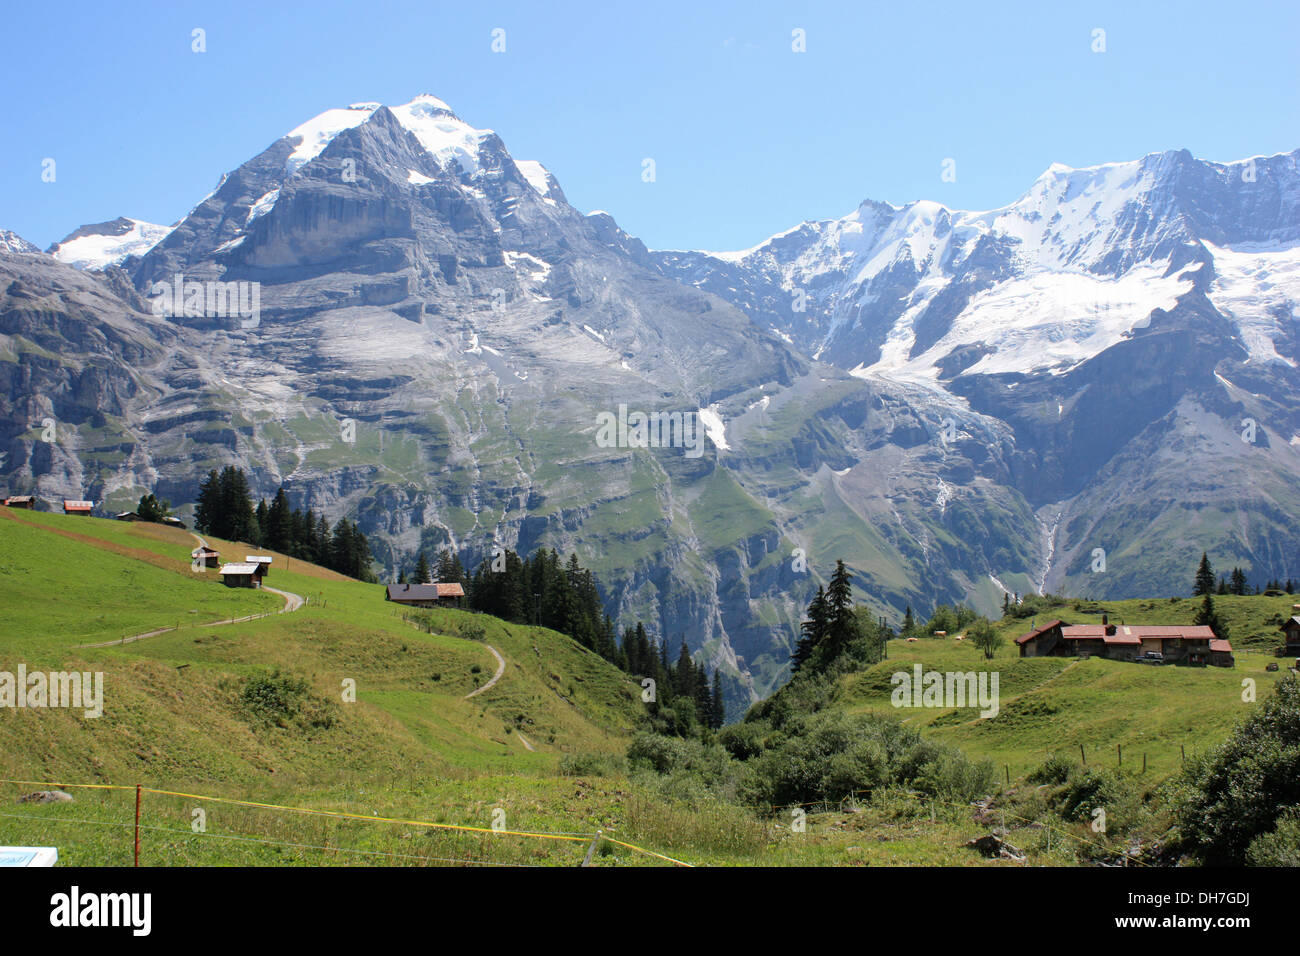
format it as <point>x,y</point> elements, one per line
<point>591,850</point>
<point>137,824</point>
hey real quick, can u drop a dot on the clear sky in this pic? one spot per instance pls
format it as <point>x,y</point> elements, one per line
<point>748,136</point>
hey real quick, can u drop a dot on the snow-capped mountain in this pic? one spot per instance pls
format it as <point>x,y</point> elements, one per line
<point>12,242</point>
<point>955,403</point>
<point>1058,276</point>
<point>105,244</point>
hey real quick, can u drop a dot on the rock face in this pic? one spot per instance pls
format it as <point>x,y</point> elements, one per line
<point>939,409</point>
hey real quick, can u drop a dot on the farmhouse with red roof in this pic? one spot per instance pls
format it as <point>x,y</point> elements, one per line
<point>1152,643</point>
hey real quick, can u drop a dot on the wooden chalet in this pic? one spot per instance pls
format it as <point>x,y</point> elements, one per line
<point>1194,645</point>
<point>425,595</point>
<point>240,575</point>
<point>262,563</point>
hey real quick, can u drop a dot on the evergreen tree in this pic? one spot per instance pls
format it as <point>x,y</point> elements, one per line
<point>151,509</point>
<point>279,529</point>
<point>841,622</point>
<point>1204,583</point>
<point>1238,585</point>
<point>207,506</point>
<point>1208,615</point>
<point>812,631</point>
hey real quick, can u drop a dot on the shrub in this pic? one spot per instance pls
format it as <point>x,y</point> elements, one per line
<point>273,697</point>
<point>1054,770</point>
<point>1281,847</point>
<point>591,765</point>
<point>831,757</point>
<point>1240,792</point>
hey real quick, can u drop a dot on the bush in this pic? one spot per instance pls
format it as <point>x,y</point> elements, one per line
<point>686,768</point>
<point>831,757</point>
<point>742,741</point>
<point>1281,847</point>
<point>273,697</point>
<point>1054,770</point>
<point>1246,788</point>
<point>1086,790</point>
<point>591,765</point>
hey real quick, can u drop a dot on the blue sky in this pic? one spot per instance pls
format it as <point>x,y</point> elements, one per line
<point>748,137</point>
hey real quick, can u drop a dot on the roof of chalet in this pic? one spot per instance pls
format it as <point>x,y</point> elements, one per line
<point>1130,634</point>
<point>1035,633</point>
<point>424,592</point>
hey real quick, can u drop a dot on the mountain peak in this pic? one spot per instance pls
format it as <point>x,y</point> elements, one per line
<point>102,244</point>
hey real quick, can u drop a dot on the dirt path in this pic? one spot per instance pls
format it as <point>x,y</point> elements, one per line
<point>292,602</point>
<point>501,669</point>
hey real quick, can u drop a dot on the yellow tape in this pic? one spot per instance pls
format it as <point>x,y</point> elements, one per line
<point>572,838</point>
<point>641,849</point>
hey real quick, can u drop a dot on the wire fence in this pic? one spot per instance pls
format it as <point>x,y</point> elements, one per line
<point>590,840</point>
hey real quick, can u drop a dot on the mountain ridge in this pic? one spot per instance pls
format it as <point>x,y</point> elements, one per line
<point>947,413</point>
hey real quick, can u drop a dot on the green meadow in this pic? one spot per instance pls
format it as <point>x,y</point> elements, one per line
<point>357,709</point>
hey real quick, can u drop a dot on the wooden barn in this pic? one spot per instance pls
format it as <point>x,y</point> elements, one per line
<point>262,563</point>
<point>425,595</point>
<point>240,575</point>
<point>1189,644</point>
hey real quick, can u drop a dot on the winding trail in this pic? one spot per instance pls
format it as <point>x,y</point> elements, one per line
<point>501,669</point>
<point>292,602</point>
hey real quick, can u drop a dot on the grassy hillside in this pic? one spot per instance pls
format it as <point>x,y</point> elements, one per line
<point>255,711</point>
<point>179,715</point>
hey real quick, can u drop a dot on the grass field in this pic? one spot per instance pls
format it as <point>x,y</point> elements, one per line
<point>180,716</point>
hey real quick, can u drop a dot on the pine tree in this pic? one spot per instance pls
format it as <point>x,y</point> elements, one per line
<point>841,622</point>
<point>1238,585</point>
<point>812,631</point>
<point>1204,583</point>
<point>1208,616</point>
<point>208,505</point>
